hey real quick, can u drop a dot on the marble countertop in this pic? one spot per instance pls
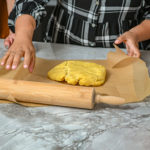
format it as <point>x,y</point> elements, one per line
<point>106,127</point>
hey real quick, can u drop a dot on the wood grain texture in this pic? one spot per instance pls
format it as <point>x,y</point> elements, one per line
<point>46,93</point>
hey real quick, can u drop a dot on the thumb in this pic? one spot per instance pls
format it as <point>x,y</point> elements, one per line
<point>7,43</point>
<point>120,39</point>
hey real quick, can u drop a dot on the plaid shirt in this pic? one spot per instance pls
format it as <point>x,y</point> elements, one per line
<point>86,22</point>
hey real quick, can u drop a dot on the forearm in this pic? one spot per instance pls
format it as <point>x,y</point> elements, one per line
<point>10,4</point>
<point>34,8</point>
<point>24,27</point>
<point>142,31</point>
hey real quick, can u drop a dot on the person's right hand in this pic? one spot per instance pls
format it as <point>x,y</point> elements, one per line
<point>21,47</point>
<point>9,40</point>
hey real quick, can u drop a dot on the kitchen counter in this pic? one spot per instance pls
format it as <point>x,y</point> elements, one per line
<point>106,127</point>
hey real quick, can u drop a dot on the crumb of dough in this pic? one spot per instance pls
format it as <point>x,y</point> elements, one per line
<point>79,72</point>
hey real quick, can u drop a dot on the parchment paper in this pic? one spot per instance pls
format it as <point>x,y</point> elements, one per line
<point>127,77</point>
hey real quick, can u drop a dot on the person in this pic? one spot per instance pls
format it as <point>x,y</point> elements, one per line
<point>92,23</point>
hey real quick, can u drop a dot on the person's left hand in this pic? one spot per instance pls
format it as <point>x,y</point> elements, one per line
<point>130,39</point>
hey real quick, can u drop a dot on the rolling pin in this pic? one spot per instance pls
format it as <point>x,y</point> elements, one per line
<point>54,94</point>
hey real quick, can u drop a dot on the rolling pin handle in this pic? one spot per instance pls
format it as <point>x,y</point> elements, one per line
<point>111,100</point>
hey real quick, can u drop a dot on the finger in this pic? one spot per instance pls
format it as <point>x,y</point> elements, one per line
<point>11,41</point>
<point>4,59</point>
<point>27,59</point>
<point>32,64</point>
<point>16,61</point>
<point>133,48</point>
<point>9,61</point>
<point>131,52</point>
<point>137,53</point>
<point>12,38</point>
<point>7,43</point>
<point>120,39</point>
<point>128,49</point>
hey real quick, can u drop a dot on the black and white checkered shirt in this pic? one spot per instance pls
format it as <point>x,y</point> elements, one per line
<point>86,22</point>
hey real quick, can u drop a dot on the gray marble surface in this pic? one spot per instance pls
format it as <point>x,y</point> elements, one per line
<point>106,127</point>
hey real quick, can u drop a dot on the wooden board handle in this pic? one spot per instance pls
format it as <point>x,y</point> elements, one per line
<point>113,100</point>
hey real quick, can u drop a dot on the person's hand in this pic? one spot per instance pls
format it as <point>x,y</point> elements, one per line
<point>21,47</point>
<point>9,40</point>
<point>130,39</point>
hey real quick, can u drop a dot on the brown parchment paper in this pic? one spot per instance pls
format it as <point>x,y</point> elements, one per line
<point>127,77</point>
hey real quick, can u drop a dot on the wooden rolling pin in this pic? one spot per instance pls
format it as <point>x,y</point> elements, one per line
<point>53,94</point>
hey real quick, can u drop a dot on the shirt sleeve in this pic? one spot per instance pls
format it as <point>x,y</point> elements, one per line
<point>146,9</point>
<point>35,8</point>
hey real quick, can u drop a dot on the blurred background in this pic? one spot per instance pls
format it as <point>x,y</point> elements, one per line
<point>3,19</point>
<point>39,32</point>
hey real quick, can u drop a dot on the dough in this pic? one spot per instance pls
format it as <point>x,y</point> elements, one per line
<point>78,72</point>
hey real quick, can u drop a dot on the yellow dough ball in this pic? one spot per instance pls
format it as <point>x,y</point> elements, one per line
<point>79,72</point>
